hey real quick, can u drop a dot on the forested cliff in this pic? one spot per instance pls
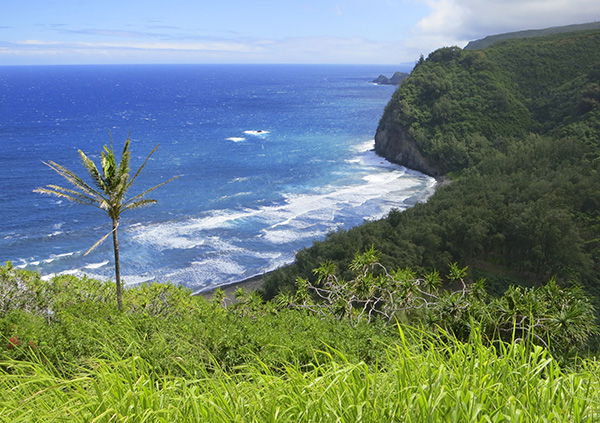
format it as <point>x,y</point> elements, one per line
<point>459,105</point>
<point>516,127</point>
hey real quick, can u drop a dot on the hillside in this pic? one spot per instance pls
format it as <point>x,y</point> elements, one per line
<point>531,33</point>
<point>67,354</point>
<point>458,103</point>
<point>516,127</point>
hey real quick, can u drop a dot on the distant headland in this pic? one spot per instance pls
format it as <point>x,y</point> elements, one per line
<point>394,80</point>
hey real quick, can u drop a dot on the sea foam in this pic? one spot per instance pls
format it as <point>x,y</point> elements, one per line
<point>295,221</point>
<point>270,164</point>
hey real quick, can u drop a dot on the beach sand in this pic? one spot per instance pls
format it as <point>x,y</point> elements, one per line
<point>250,284</point>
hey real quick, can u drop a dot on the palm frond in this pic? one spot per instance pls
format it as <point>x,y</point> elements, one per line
<point>138,204</point>
<point>71,177</point>
<point>69,194</point>
<point>105,205</point>
<point>140,196</point>
<point>101,240</point>
<point>121,188</point>
<point>125,158</point>
<point>111,138</point>
<point>142,166</point>
<point>93,171</point>
<point>109,168</point>
<point>47,191</point>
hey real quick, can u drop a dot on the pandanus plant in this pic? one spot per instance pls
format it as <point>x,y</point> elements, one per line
<point>110,185</point>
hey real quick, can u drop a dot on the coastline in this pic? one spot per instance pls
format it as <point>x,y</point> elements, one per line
<point>250,284</point>
<point>254,283</point>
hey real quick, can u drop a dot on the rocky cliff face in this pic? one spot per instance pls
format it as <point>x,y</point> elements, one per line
<point>393,142</point>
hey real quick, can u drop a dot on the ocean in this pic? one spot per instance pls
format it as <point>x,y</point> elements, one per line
<point>271,158</point>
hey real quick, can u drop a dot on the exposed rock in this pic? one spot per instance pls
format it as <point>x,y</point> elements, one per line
<point>394,144</point>
<point>382,80</point>
<point>394,80</point>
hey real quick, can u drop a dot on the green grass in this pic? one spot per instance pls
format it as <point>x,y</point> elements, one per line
<point>421,380</point>
<point>68,355</point>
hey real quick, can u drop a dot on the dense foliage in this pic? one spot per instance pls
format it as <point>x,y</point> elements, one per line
<point>559,319</point>
<point>517,128</point>
<point>70,321</point>
<point>68,354</point>
<point>459,105</point>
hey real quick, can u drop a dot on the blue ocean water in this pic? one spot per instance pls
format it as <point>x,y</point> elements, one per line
<point>272,157</point>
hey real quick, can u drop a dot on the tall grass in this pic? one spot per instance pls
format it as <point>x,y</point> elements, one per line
<point>421,380</point>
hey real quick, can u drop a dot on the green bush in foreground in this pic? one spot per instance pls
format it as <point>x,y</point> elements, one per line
<point>71,321</point>
<point>68,354</point>
<point>420,380</point>
<point>561,319</point>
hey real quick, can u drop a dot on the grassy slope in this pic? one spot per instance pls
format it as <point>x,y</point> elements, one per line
<point>173,357</point>
<point>417,382</point>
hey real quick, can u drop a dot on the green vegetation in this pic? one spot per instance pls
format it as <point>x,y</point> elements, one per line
<point>516,128</point>
<point>501,335</point>
<point>458,106</point>
<point>417,382</point>
<point>531,33</point>
<point>559,319</point>
<point>109,195</point>
<point>67,354</point>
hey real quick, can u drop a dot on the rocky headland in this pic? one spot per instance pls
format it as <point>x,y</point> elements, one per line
<point>396,79</point>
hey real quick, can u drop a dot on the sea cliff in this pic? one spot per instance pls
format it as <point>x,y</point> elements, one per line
<point>518,133</point>
<point>393,143</point>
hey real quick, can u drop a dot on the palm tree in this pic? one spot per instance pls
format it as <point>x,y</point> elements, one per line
<point>108,194</point>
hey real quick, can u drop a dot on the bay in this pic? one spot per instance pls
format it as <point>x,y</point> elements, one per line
<point>272,157</point>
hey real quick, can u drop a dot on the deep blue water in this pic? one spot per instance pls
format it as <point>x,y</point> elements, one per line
<point>272,157</point>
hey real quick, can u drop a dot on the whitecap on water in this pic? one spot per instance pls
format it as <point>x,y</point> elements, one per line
<point>96,265</point>
<point>286,236</point>
<point>257,133</point>
<point>228,245</point>
<point>304,216</point>
<point>213,266</point>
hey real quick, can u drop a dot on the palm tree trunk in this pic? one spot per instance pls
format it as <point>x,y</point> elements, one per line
<point>117,265</point>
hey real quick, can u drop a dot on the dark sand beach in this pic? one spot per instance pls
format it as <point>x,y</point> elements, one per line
<point>250,284</point>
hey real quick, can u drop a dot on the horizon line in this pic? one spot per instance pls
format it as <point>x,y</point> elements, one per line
<point>209,64</point>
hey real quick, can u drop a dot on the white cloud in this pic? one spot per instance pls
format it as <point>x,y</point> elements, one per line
<point>445,19</point>
<point>288,50</point>
<point>38,43</point>
<point>456,22</point>
<point>226,46</point>
<point>434,23</point>
<point>459,21</point>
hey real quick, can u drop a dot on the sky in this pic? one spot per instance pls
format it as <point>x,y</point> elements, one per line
<point>36,32</point>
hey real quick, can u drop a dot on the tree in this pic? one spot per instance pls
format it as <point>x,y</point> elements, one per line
<point>108,193</point>
<point>562,319</point>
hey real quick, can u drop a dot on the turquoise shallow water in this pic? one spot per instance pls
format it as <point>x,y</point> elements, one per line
<point>272,157</point>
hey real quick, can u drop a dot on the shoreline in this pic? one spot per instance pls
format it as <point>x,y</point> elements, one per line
<point>250,284</point>
<point>254,283</point>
